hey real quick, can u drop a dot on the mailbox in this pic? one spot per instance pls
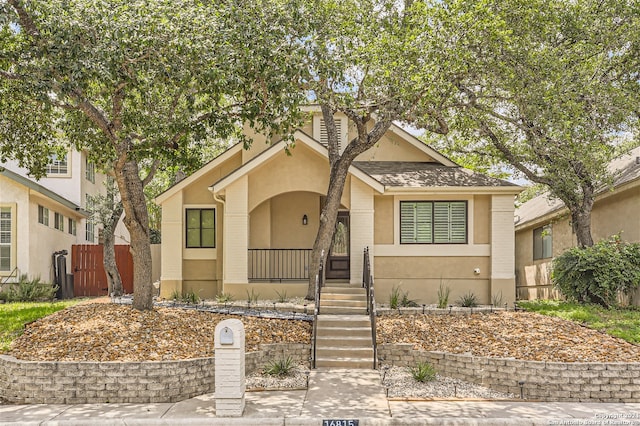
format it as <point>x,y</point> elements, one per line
<point>226,336</point>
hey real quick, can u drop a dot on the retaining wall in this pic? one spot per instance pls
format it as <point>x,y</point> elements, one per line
<point>545,381</point>
<point>50,382</point>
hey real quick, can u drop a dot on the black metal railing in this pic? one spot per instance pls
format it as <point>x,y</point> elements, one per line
<point>279,264</point>
<point>316,309</point>
<point>367,283</point>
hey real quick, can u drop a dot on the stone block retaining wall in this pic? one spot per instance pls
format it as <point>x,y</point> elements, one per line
<point>50,382</point>
<point>546,381</point>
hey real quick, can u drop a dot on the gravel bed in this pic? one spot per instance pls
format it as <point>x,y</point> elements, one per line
<point>296,379</point>
<point>400,384</point>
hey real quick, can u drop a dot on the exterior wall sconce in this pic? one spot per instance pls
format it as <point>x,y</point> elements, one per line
<point>305,220</point>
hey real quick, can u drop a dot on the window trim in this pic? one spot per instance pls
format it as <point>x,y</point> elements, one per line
<point>58,221</point>
<point>73,226</point>
<point>43,218</point>
<point>89,170</point>
<point>186,227</point>
<point>13,207</point>
<point>433,222</point>
<point>56,174</point>
<point>543,238</point>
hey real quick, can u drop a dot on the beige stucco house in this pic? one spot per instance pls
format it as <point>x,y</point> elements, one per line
<point>543,228</point>
<point>247,221</point>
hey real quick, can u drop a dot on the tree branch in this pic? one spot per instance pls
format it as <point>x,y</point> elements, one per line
<point>26,21</point>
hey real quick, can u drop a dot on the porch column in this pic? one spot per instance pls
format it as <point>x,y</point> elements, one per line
<point>171,253</point>
<point>361,224</point>
<point>503,279</point>
<point>236,226</point>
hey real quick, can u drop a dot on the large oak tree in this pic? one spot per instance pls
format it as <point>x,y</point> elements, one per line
<point>139,81</point>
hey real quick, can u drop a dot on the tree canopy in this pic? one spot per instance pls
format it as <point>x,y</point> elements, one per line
<point>135,82</point>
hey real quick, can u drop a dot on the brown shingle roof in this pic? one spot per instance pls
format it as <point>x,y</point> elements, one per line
<point>408,174</point>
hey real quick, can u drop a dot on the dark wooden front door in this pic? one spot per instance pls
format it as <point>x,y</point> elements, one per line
<point>338,263</point>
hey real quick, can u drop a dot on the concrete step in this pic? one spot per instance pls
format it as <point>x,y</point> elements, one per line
<point>344,296</point>
<point>344,320</point>
<point>342,310</point>
<point>343,290</point>
<point>334,362</point>
<point>340,341</point>
<point>345,303</point>
<point>343,352</point>
<point>344,333</point>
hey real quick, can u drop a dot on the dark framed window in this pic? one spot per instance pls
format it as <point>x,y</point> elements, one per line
<point>542,243</point>
<point>433,222</point>
<point>58,221</point>
<point>43,215</point>
<point>201,228</point>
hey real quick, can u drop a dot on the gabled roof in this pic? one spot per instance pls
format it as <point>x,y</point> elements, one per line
<point>278,148</point>
<point>178,186</point>
<point>42,190</point>
<point>625,170</point>
<point>419,175</point>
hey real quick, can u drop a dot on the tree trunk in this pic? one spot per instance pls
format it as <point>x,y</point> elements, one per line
<point>114,280</point>
<point>137,223</point>
<point>328,217</point>
<point>581,224</point>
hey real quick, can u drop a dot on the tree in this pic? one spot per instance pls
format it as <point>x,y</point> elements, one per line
<point>377,62</point>
<point>135,81</point>
<point>554,95</point>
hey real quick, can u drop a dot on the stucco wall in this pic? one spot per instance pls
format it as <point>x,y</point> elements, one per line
<point>47,382</point>
<point>613,213</point>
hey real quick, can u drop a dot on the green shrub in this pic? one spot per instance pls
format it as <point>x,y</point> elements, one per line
<point>176,295</point>
<point>191,297</point>
<point>280,368</point>
<point>497,299</point>
<point>468,300</point>
<point>224,298</point>
<point>423,372</point>
<point>282,297</point>
<point>252,297</point>
<point>399,298</point>
<point>28,290</point>
<point>443,296</point>
<point>599,273</point>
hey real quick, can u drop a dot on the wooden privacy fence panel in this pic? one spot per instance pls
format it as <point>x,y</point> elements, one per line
<point>89,277</point>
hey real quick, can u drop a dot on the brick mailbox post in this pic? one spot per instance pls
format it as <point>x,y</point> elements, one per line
<point>229,375</point>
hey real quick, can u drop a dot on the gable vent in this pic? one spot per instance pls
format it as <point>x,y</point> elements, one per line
<point>324,139</point>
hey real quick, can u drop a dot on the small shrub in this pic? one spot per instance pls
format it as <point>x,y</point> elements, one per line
<point>191,297</point>
<point>176,295</point>
<point>399,298</point>
<point>443,296</point>
<point>280,368</point>
<point>282,297</point>
<point>224,298</point>
<point>468,300</point>
<point>28,290</point>
<point>423,372</point>
<point>252,297</point>
<point>599,273</point>
<point>497,299</point>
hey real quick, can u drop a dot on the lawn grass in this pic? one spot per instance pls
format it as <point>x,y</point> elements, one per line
<point>618,322</point>
<point>13,317</point>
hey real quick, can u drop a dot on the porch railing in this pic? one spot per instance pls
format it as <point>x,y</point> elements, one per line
<point>316,310</point>
<point>367,283</point>
<point>277,265</point>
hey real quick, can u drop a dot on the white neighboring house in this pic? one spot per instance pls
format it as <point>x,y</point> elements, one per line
<point>40,217</point>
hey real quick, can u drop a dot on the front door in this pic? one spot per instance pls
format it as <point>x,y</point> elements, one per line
<point>338,265</point>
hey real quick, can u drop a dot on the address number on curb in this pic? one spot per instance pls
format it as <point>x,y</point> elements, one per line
<point>340,422</point>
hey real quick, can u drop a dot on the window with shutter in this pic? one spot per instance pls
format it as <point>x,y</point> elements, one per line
<point>427,222</point>
<point>324,138</point>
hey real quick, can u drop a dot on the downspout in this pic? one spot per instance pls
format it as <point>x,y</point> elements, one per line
<point>221,201</point>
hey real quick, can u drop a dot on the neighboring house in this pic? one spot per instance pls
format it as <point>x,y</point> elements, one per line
<point>38,218</point>
<point>543,228</point>
<point>246,221</point>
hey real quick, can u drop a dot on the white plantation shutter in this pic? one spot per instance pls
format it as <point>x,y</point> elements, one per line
<point>324,138</point>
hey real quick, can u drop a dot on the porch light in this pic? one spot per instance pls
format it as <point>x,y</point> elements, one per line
<point>305,220</point>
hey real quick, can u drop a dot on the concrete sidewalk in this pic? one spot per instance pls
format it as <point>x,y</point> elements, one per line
<point>332,394</point>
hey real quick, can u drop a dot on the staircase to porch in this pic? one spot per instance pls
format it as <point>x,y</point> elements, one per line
<point>344,331</point>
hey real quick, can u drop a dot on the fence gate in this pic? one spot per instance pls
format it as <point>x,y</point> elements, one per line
<point>89,277</point>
